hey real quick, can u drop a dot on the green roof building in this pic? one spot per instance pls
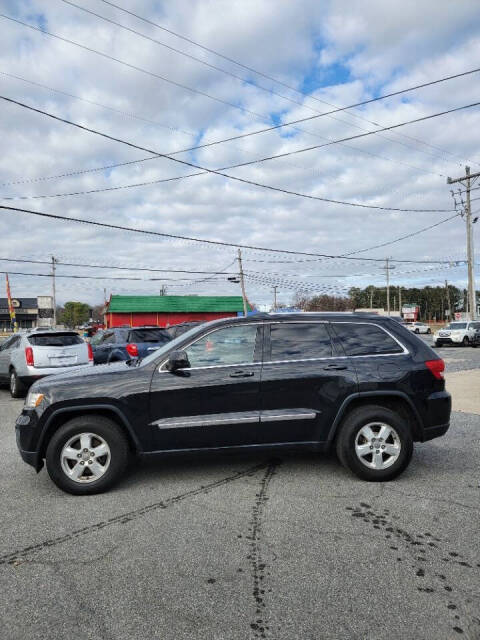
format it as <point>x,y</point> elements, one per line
<point>165,311</point>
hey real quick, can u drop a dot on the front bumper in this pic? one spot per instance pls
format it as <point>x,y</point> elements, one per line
<point>26,435</point>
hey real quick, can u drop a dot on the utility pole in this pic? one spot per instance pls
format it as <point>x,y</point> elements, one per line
<point>275,287</point>
<point>448,301</point>
<point>387,270</point>
<point>371,297</point>
<point>163,290</point>
<point>53,293</point>
<point>242,282</point>
<point>400,300</point>
<point>466,180</point>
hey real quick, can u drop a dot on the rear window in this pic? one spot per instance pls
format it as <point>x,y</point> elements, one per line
<point>365,339</point>
<point>56,340</point>
<point>149,335</point>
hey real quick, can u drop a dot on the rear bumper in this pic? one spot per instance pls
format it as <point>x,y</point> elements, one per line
<point>28,375</point>
<point>435,432</point>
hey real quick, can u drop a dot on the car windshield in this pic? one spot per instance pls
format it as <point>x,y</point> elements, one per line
<point>170,345</point>
<point>456,325</point>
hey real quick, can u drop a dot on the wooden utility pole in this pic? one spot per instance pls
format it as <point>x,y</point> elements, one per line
<point>242,282</point>
<point>400,300</point>
<point>450,314</point>
<point>466,180</point>
<point>54,299</point>
<point>275,287</point>
<point>387,269</point>
<point>371,297</point>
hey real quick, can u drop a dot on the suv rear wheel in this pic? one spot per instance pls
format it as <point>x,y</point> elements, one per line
<point>87,455</point>
<point>375,443</point>
<point>17,390</point>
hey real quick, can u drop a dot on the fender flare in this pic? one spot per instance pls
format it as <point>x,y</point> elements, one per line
<point>90,408</point>
<point>367,395</point>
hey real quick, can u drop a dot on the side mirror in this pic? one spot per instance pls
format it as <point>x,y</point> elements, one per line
<point>177,360</point>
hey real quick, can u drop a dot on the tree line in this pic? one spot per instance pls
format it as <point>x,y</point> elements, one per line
<point>434,302</point>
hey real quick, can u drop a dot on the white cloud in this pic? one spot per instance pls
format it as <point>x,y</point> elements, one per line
<point>383,46</point>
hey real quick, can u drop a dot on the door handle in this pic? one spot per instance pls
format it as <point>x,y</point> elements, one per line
<point>242,374</point>
<point>335,367</point>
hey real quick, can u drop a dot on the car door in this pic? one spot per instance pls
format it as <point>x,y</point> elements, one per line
<point>103,347</point>
<point>216,401</point>
<point>304,382</point>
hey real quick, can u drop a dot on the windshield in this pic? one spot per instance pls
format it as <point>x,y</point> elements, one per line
<point>456,325</point>
<point>170,346</point>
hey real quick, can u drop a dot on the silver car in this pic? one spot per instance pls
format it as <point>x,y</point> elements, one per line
<point>26,357</point>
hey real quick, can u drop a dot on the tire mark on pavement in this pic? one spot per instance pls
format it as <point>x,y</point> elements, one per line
<point>15,556</point>
<point>419,547</point>
<point>257,565</point>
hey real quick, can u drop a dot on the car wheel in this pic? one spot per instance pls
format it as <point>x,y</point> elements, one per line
<point>87,455</point>
<point>17,390</point>
<point>465,341</point>
<point>375,443</point>
<point>429,331</point>
<point>417,330</point>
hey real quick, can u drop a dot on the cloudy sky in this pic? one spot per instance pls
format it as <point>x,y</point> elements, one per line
<point>309,55</point>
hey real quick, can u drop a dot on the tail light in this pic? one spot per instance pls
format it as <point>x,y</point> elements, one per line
<point>437,367</point>
<point>90,352</point>
<point>29,356</point>
<point>132,349</point>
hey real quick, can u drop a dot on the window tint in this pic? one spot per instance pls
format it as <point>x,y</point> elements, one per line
<point>65,340</point>
<point>365,339</point>
<point>231,345</point>
<point>297,341</point>
<point>149,335</point>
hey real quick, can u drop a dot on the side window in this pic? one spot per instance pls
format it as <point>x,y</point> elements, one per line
<point>475,325</point>
<point>298,341</point>
<point>365,339</point>
<point>231,345</point>
<point>108,338</point>
<point>6,344</point>
<point>14,343</point>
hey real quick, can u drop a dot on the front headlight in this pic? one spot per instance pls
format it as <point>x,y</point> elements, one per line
<point>33,400</point>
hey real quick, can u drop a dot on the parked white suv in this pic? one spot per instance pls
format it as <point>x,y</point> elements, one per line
<point>26,357</point>
<point>418,327</point>
<point>456,333</point>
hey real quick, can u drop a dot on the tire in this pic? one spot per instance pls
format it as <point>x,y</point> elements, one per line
<point>429,331</point>
<point>435,344</point>
<point>109,468</point>
<point>417,330</point>
<point>17,389</point>
<point>399,439</point>
<point>465,341</point>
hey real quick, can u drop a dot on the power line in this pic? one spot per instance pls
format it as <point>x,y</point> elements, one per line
<point>75,276</point>
<point>260,73</point>
<point>106,225</point>
<point>244,180</point>
<point>252,133</point>
<point>226,72</point>
<point>236,106</point>
<point>99,266</point>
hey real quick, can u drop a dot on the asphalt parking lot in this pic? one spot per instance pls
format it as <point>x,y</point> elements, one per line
<point>237,547</point>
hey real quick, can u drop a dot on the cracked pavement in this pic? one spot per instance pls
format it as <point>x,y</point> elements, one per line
<point>248,546</point>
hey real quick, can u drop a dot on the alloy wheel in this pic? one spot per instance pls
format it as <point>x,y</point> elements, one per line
<point>85,457</point>
<point>377,445</point>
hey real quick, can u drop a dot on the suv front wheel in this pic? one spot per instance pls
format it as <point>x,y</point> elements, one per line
<point>87,455</point>
<point>375,443</point>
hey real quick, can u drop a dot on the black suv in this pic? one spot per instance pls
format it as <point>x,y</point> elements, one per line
<point>123,343</point>
<point>362,384</point>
